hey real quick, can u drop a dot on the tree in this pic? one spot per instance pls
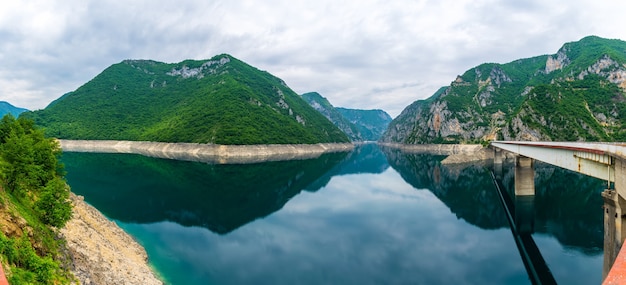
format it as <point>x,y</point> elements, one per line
<point>31,170</point>
<point>54,206</point>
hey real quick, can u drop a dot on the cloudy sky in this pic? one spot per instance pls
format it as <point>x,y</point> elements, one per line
<point>359,54</point>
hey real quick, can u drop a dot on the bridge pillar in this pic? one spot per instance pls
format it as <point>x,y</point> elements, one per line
<point>498,159</point>
<point>613,236</point>
<point>525,214</point>
<point>524,176</point>
<point>614,216</point>
<point>498,156</point>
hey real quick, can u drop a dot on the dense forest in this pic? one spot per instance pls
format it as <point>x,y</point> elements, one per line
<point>222,100</point>
<point>34,204</point>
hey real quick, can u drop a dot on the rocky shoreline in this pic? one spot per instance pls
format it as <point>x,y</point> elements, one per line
<point>101,252</point>
<point>210,153</point>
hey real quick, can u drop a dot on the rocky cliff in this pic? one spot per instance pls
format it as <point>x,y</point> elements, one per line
<point>576,94</point>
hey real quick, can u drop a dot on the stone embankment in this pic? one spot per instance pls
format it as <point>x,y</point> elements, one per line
<point>211,153</point>
<point>457,153</point>
<point>102,253</point>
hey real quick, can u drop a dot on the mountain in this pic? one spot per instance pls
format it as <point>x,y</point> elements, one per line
<point>359,125</point>
<point>370,123</point>
<point>7,108</point>
<point>577,94</point>
<point>221,100</point>
<point>322,105</point>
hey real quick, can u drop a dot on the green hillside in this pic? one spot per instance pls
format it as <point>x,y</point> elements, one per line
<point>577,94</point>
<point>370,123</point>
<point>359,125</point>
<point>7,108</point>
<point>222,100</point>
<point>329,111</point>
<point>34,205</point>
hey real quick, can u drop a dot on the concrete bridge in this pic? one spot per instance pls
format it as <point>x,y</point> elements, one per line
<point>606,161</point>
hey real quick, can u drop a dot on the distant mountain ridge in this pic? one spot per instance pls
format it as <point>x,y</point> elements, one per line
<point>221,100</point>
<point>8,108</point>
<point>370,123</point>
<point>577,94</point>
<point>358,125</point>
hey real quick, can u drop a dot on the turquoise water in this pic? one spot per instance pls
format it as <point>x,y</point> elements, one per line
<point>368,217</point>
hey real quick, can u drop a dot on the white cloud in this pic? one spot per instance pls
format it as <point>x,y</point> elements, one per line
<point>365,54</point>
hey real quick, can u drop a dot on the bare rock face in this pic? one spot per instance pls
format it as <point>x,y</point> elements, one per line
<point>102,253</point>
<point>608,68</point>
<point>557,62</point>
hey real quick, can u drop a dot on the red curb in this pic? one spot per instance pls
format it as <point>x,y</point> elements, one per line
<point>617,274</point>
<point>3,277</point>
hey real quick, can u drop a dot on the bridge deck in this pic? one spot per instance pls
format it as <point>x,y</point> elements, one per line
<point>617,149</point>
<point>593,159</point>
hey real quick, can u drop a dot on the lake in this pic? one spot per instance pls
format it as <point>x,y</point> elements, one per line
<point>372,216</point>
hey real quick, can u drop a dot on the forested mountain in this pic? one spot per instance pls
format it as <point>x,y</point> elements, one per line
<point>322,105</point>
<point>222,100</point>
<point>370,123</point>
<point>7,108</point>
<point>359,125</point>
<point>576,94</point>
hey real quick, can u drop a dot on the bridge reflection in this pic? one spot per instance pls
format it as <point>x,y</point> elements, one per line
<point>520,213</point>
<point>601,160</point>
<point>565,204</point>
<point>561,211</point>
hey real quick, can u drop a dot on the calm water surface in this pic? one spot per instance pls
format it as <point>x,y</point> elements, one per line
<point>367,217</point>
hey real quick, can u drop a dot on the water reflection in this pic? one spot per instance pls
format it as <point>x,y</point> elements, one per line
<point>359,229</point>
<point>138,189</point>
<point>571,214</point>
<point>365,158</point>
<point>567,206</point>
<point>467,190</point>
<point>358,222</point>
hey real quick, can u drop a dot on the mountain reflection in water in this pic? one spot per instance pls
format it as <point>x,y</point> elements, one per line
<point>571,214</point>
<point>138,189</point>
<point>365,217</point>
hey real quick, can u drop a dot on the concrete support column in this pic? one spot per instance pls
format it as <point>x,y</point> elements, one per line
<point>614,216</point>
<point>497,156</point>
<point>612,240</point>
<point>524,176</point>
<point>498,160</point>
<point>525,214</point>
<point>620,199</point>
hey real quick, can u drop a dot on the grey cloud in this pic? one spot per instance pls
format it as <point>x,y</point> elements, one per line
<point>348,49</point>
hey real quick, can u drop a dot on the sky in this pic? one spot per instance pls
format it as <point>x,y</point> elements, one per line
<point>365,54</point>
